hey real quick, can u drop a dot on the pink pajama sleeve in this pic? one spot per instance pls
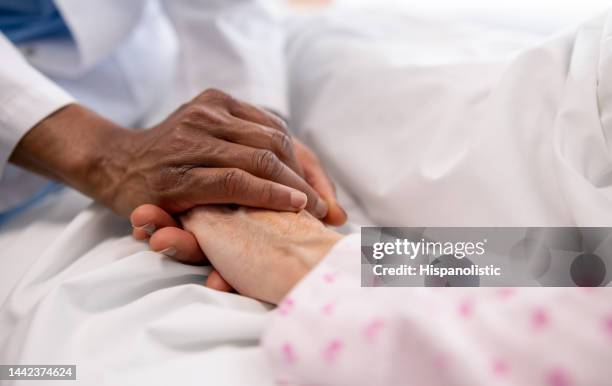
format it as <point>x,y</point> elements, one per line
<point>330,331</point>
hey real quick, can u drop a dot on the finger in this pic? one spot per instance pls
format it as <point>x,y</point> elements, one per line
<point>261,137</point>
<point>336,215</point>
<point>248,112</point>
<point>179,245</point>
<point>265,164</point>
<point>320,181</point>
<point>240,109</point>
<point>236,186</point>
<point>147,218</point>
<point>217,282</point>
<point>252,127</point>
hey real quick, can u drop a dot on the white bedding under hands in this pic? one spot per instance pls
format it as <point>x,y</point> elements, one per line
<point>96,298</point>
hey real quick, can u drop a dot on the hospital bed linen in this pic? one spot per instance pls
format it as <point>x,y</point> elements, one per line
<point>465,143</point>
<point>427,124</point>
<point>90,295</point>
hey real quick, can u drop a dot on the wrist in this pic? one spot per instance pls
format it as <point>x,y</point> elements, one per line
<point>97,153</point>
<point>73,146</point>
<point>101,169</point>
<point>307,255</point>
<point>310,252</point>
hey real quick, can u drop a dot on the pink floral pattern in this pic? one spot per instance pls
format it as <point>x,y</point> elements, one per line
<point>338,341</point>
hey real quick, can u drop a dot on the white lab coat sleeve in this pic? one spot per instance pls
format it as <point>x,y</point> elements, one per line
<point>236,46</point>
<point>26,97</point>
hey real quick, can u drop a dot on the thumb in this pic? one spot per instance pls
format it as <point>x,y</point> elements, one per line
<point>320,182</point>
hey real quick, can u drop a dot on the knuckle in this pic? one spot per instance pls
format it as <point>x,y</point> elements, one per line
<point>191,108</point>
<point>172,179</point>
<point>276,121</point>
<point>281,123</point>
<point>216,92</point>
<point>160,182</point>
<point>233,181</point>
<point>183,107</point>
<point>213,94</point>
<point>283,142</point>
<point>202,115</point>
<point>268,163</point>
<point>168,184</point>
<point>193,112</point>
<point>181,138</point>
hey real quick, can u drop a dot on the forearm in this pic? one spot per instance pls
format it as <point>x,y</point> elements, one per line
<point>75,146</point>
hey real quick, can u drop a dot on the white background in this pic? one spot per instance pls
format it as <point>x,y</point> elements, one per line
<point>533,15</point>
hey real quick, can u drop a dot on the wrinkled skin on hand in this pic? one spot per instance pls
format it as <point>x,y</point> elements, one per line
<point>214,149</point>
<point>262,254</point>
<point>164,233</point>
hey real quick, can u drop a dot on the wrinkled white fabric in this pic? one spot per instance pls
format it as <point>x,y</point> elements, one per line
<point>451,141</point>
<point>447,131</point>
<point>90,295</point>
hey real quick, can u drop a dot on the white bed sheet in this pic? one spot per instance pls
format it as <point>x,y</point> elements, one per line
<point>432,124</point>
<point>90,295</point>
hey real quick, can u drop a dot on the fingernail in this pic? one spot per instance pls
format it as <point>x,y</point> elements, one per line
<point>149,228</point>
<point>170,251</point>
<point>298,200</point>
<point>321,208</point>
